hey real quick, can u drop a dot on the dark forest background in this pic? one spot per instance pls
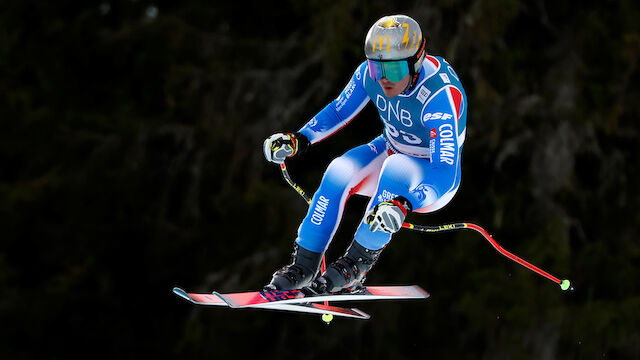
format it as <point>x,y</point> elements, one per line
<point>131,162</point>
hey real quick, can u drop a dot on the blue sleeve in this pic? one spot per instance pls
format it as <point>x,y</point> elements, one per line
<point>340,111</point>
<point>440,117</point>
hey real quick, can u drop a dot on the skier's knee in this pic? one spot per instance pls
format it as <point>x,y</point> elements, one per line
<point>396,162</point>
<point>397,166</point>
<point>340,171</point>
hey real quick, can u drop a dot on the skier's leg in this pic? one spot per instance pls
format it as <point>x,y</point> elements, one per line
<point>303,269</point>
<point>418,181</point>
<point>348,271</point>
<point>345,175</point>
<point>425,185</point>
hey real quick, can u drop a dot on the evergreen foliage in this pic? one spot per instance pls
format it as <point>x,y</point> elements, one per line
<point>131,161</point>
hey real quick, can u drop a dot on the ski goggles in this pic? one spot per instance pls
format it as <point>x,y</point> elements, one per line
<point>394,70</point>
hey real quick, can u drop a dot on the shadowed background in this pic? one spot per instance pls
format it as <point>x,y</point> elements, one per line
<point>131,162</point>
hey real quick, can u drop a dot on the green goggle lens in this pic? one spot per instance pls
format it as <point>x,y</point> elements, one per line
<point>394,71</point>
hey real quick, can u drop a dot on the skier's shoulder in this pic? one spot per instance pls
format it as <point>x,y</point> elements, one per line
<point>438,68</point>
<point>360,72</point>
<point>357,78</point>
<point>433,64</point>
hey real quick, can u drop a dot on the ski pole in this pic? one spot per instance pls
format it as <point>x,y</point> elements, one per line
<point>295,186</point>
<point>564,284</point>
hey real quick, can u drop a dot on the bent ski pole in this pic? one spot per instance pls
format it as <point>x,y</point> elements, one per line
<point>564,284</point>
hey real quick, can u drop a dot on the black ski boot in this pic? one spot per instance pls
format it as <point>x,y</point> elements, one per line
<point>304,267</point>
<point>348,272</point>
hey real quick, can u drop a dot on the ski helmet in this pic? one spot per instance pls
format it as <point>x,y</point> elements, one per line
<point>394,47</point>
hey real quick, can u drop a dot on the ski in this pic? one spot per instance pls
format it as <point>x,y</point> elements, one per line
<point>322,309</point>
<point>268,298</point>
<point>311,308</point>
<point>199,299</point>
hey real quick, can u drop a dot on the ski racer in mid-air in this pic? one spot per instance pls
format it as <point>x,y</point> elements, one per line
<point>413,166</point>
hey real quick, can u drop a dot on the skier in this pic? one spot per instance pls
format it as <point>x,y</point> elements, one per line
<point>413,166</point>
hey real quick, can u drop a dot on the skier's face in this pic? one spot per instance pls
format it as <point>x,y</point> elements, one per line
<point>393,89</point>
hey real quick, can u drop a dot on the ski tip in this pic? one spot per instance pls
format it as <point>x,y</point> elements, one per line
<point>181,293</point>
<point>421,291</point>
<point>364,315</point>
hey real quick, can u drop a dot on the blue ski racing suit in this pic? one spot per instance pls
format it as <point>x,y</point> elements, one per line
<point>417,156</point>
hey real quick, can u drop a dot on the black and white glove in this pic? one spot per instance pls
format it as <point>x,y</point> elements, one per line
<point>389,216</point>
<point>280,146</point>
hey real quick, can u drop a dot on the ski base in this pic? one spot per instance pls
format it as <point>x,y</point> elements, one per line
<point>310,308</point>
<point>266,298</point>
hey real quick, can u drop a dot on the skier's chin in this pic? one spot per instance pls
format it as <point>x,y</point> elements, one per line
<point>390,92</point>
<point>393,89</point>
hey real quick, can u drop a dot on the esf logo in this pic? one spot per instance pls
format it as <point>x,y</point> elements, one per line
<point>436,116</point>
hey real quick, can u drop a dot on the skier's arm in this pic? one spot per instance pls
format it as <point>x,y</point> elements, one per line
<point>340,111</point>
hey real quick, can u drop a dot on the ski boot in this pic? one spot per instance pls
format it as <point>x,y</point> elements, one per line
<point>346,274</point>
<point>304,267</point>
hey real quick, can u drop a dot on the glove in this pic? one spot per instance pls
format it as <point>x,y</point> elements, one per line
<point>280,146</point>
<point>388,216</point>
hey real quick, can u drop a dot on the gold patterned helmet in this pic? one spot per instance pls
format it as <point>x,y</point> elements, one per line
<point>394,47</point>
